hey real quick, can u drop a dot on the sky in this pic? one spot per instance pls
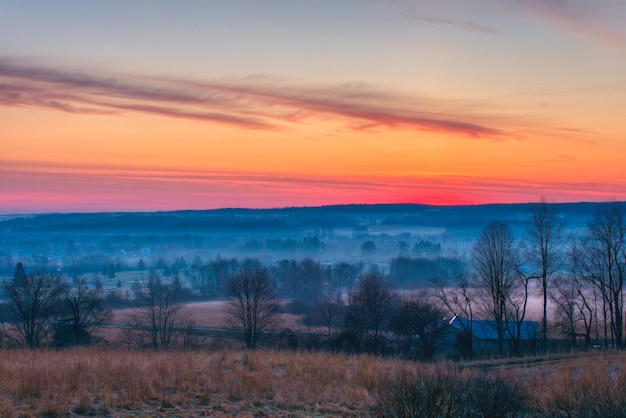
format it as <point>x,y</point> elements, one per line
<point>150,105</point>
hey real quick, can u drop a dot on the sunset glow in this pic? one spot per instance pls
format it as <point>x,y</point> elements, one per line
<point>155,105</point>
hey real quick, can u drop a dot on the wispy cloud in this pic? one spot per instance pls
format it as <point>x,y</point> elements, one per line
<point>600,21</point>
<point>54,187</point>
<point>254,103</point>
<point>32,186</point>
<point>464,24</point>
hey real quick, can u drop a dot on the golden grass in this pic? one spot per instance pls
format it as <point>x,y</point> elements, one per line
<point>97,381</point>
<point>92,381</point>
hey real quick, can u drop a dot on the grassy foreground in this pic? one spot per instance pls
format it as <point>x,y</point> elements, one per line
<point>93,381</point>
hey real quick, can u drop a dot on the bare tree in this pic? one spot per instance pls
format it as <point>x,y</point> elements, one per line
<point>419,323</point>
<point>458,297</point>
<point>605,264</point>
<point>581,292</point>
<point>574,310</point>
<point>344,275</point>
<point>371,307</point>
<point>327,311</point>
<point>517,306</point>
<point>545,243</point>
<point>252,302</point>
<point>161,314</point>
<point>31,305</point>
<point>81,311</point>
<point>496,265</point>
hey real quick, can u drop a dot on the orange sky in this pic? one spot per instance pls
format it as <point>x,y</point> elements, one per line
<point>148,108</point>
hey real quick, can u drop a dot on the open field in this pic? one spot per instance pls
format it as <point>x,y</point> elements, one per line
<point>93,381</point>
<point>212,314</point>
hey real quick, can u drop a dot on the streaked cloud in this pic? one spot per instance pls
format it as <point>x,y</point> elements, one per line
<point>254,103</point>
<point>464,24</point>
<point>600,21</point>
<point>35,187</point>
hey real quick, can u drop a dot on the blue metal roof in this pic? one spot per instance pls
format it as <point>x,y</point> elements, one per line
<point>486,330</point>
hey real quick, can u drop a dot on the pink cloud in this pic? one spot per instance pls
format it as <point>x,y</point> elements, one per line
<point>253,103</point>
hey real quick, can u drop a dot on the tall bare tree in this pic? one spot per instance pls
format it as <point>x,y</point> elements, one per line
<point>344,275</point>
<point>458,297</point>
<point>496,264</point>
<point>544,241</point>
<point>31,305</point>
<point>574,308</point>
<point>327,311</point>
<point>605,249</point>
<point>161,315</point>
<point>517,307</point>
<point>372,304</point>
<point>252,302</point>
<point>81,311</point>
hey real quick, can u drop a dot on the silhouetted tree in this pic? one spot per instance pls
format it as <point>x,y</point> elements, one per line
<point>419,323</point>
<point>327,311</point>
<point>604,265</point>
<point>496,262</point>
<point>252,303</point>
<point>161,314</point>
<point>344,275</point>
<point>31,306</point>
<point>81,311</point>
<point>459,298</point>
<point>371,307</point>
<point>544,247</point>
<point>574,308</point>
<point>200,277</point>
<point>222,270</point>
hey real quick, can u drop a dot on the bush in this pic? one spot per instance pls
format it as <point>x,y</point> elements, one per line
<point>427,394</point>
<point>493,395</point>
<point>447,392</point>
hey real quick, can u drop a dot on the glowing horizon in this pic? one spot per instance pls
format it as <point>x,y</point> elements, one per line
<point>153,107</point>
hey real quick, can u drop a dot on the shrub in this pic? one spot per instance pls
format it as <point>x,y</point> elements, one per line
<point>440,391</point>
<point>492,395</point>
<point>426,394</point>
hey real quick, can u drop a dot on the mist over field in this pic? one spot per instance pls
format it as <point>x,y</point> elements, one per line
<point>328,235</point>
<point>120,248</point>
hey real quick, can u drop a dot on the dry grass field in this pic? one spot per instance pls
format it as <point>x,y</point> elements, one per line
<point>94,381</point>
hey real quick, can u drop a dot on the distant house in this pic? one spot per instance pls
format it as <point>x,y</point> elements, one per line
<point>484,337</point>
